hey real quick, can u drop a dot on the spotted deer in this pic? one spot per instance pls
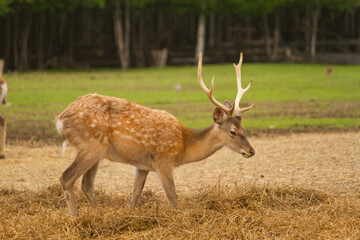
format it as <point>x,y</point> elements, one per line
<point>148,139</point>
<point>3,123</point>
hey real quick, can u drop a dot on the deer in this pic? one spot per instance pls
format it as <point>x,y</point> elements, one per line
<point>3,123</point>
<point>148,139</point>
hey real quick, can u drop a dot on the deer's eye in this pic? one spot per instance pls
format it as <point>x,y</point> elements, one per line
<point>232,133</point>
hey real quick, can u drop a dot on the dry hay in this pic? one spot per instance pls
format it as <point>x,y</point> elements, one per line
<point>211,213</point>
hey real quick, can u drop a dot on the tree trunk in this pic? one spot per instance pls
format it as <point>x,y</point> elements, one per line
<point>228,29</point>
<point>62,27</point>
<point>24,47</point>
<point>71,41</point>
<point>248,28</point>
<point>161,32</point>
<point>307,32</point>
<point>316,16</point>
<point>16,41</point>
<point>138,37</point>
<point>51,37</point>
<point>212,27</point>
<point>122,40</point>
<point>200,42</point>
<point>41,41</point>
<point>7,50</point>
<point>267,37</point>
<point>353,24</point>
<point>274,54</point>
<point>219,30</point>
<point>358,45</point>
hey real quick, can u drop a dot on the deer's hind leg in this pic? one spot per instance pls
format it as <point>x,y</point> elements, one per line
<point>140,178</point>
<point>88,184</point>
<point>85,159</point>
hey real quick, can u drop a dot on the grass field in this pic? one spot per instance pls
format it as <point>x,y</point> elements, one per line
<point>287,97</point>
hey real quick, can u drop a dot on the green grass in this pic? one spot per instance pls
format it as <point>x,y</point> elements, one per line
<point>286,96</point>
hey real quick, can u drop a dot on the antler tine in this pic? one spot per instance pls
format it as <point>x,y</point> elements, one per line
<point>209,92</point>
<point>241,91</point>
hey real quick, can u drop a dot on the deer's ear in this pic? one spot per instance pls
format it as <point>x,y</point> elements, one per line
<point>218,115</point>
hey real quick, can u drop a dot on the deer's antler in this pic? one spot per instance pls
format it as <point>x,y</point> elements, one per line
<point>239,111</point>
<point>209,92</point>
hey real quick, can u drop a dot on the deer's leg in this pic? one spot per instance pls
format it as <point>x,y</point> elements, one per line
<point>88,183</point>
<point>83,162</point>
<point>140,177</point>
<point>3,124</point>
<point>167,181</point>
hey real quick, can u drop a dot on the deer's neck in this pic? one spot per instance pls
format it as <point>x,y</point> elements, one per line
<point>200,144</point>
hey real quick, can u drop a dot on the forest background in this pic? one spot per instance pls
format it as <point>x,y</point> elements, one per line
<point>43,34</point>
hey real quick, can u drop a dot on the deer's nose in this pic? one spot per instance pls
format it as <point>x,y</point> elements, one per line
<point>252,152</point>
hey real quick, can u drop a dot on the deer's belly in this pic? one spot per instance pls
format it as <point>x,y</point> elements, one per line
<point>139,159</point>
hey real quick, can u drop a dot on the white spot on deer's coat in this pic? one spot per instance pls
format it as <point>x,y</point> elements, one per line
<point>100,134</point>
<point>98,105</point>
<point>132,130</point>
<point>127,122</point>
<point>113,125</point>
<point>81,114</point>
<point>116,132</point>
<point>105,141</point>
<point>93,125</point>
<point>119,123</point>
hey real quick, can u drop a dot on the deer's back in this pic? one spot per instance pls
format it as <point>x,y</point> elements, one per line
<point>109,121</point>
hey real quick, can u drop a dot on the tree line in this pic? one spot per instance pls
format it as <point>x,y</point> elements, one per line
<point>41,34</point>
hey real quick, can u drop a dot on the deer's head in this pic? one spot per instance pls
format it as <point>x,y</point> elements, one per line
<point>230,130</point>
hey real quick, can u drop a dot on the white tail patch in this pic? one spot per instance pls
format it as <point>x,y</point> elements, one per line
<point>64,145</point>
<point>59,126</point>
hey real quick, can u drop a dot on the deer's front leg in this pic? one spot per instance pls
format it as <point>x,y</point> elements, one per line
<point>140,177</point>
<point>166,177</point>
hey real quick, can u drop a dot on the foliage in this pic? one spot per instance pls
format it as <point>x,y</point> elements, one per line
<point>4,6</point>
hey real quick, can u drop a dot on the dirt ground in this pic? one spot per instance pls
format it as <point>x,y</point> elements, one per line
<point>324,161</point>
